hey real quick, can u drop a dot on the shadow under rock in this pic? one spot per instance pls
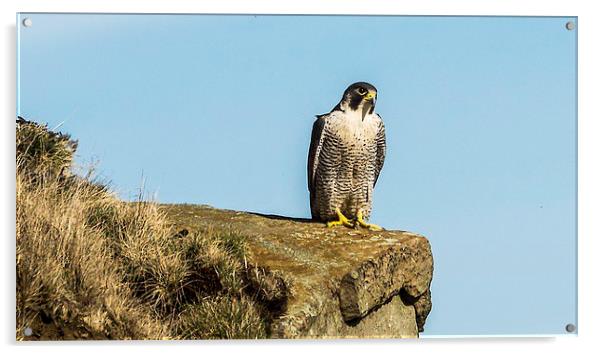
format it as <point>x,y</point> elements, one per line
<point>286,218</point>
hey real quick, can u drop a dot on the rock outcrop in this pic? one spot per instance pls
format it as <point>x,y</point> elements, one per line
<point>320,282</point>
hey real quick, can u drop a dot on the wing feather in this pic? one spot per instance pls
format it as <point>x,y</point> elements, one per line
<point>314,152</point>
<point>381,149</point>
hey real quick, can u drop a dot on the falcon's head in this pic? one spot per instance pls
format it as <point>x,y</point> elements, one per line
<point>359,96</point>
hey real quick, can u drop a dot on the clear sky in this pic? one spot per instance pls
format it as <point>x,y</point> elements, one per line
<point>480,115</point>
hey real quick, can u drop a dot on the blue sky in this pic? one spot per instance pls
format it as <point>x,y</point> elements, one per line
<point>480,115</point>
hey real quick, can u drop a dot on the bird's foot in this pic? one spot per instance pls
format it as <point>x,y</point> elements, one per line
<point>342,220</point>
<point>364,224</point>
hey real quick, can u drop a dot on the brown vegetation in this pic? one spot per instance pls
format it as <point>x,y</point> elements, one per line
<point>90,266</point>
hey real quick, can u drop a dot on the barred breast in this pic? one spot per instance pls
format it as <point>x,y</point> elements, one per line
<point>346,168</point>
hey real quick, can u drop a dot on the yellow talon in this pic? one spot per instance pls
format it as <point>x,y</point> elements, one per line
<point>362,223</point>
<point>342,220</point>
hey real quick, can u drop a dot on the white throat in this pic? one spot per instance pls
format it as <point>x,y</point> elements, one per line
<point>354,116</point>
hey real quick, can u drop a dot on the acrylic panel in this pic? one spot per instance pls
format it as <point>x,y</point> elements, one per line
<point>480,116</point>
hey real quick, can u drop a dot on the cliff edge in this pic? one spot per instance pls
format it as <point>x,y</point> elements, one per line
<point>318,282</point>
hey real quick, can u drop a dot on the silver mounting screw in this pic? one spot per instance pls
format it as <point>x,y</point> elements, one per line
<point>27,332</point>
<point>570,25</point>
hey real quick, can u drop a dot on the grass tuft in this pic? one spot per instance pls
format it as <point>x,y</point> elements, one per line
<point>222,317</point>
<point>90,266</point>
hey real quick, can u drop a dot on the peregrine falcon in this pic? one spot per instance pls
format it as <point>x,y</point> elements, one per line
<point>346,154</point>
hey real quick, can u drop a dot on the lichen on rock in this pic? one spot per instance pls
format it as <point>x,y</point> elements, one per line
<point>318,282</point>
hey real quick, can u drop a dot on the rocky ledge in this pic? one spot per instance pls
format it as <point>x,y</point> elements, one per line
<point>323,282</point>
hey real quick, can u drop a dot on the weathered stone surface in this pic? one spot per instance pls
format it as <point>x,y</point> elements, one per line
<point>329,282</point>
<point>401,266</point>
<point>393,319</point>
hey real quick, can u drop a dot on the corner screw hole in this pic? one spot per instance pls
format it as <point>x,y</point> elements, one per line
<point>570,25</point>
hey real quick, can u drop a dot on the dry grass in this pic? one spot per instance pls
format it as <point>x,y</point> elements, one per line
<point>68,283</point>
<point>90,266</point>
<point>221,317</point>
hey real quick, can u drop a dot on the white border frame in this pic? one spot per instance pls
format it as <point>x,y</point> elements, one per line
<point>590,170</point>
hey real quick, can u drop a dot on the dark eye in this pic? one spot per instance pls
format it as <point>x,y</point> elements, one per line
<point>362,91</point>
